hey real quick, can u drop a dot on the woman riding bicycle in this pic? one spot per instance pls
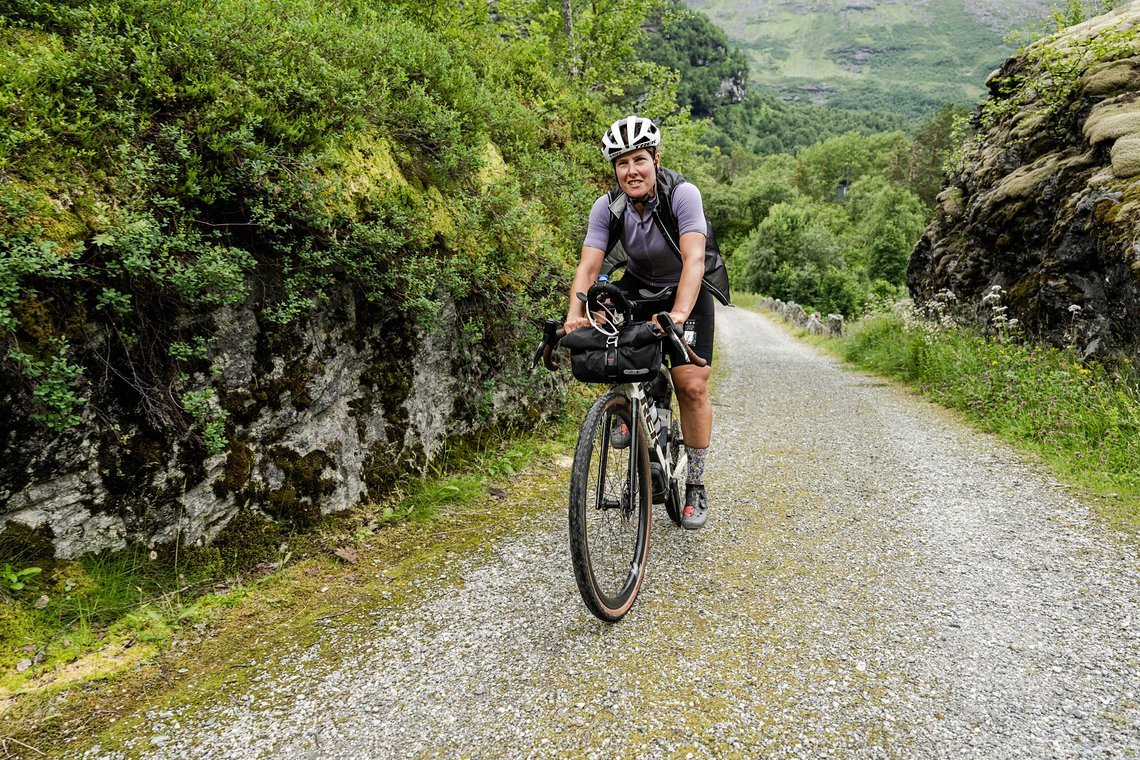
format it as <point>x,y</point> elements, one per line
<point>632,215</point>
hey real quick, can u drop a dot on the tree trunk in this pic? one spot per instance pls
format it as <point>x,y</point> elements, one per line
<point>568,29</point>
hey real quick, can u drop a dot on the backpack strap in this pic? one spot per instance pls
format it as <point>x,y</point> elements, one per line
<point>667,182</point>
<point>618,203</point>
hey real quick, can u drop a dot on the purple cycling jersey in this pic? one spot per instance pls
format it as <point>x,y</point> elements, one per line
<point>651,257</point>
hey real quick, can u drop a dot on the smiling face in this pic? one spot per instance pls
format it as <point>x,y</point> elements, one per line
<point>637,173</point>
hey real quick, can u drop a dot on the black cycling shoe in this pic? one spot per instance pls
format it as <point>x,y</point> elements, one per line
<point>619,434</point>
<point>696,509</point>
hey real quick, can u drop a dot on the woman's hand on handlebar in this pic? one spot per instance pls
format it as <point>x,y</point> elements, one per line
<point>573,323</point>
<point>677,317</point>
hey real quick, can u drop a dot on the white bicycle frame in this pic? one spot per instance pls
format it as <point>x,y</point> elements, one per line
<point>649,422</point>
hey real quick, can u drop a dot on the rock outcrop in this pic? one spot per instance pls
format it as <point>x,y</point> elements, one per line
<point>322,415</point>
<point>1046,204</point>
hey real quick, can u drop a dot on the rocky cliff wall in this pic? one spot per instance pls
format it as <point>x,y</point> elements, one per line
<point>1046,201</point>
<point>320,416</point>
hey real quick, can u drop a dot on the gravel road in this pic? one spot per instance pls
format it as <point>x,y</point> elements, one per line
<point>875,580</point>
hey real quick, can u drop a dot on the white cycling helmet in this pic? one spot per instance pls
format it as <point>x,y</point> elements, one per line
<point>629,134</point>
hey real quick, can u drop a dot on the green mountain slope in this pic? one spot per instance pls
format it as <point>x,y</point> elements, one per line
<point>901,57</point>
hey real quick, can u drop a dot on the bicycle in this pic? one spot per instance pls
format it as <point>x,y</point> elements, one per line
<point>613,483</point>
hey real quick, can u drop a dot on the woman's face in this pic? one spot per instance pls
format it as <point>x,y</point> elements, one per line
<point>637,173</point>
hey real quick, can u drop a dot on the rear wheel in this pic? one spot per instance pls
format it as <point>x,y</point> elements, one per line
<point>679,464</point>
<point>609,510</point>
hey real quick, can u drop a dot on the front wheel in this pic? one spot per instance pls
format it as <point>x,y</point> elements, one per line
<point>609,509</point>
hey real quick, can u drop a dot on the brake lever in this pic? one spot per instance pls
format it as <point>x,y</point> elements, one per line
<point>552,332</point>
<point>674,334</point>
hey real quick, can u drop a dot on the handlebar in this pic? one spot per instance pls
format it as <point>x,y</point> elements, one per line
<point>552,333</point>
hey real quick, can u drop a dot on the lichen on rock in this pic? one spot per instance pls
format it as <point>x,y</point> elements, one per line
<point>307,437</point>
<point>1047,204</point>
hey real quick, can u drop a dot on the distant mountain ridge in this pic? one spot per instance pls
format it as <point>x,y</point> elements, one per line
<point>889,55</point>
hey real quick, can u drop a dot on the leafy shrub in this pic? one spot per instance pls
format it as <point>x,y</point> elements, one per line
<point>156,160</point>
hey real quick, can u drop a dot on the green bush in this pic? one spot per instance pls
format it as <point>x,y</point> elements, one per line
<point>159,159</point>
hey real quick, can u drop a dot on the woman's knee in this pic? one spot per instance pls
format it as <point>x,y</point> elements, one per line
<point>691,386</point>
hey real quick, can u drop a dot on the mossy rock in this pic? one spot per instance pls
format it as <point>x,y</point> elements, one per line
<point>1023,186</point>
<point>43,215</point>
<point>298,500</point>
<point>239,466</point>
<point>247,540</point>
<point>1112,78</point>
<point>494,167</point>
<point>36,321</point>
<point>1126,157</point>
<point>1111,121</point>
<point>950,202</point>
<point>368,167</point>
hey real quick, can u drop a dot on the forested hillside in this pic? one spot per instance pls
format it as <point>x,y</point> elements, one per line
<point>714,83</point>
<point>874,55</point>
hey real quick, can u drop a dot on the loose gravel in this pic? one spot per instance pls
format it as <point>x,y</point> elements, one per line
<point>875,580</point>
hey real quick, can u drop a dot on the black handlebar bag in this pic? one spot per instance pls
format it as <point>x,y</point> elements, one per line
<point>631,356</point>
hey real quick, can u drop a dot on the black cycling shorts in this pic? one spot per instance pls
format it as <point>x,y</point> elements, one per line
<point>704,314</point>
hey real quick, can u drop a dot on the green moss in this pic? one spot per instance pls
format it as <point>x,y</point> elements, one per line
<point>294,382</point>
<point>1111,78</point>
<point>249,539</point>
<point>36,320</point>
<point>366,167</point>
<point>1022,186</point>
<point>387,384</point>
<point>298,500</point>
<point>16,629</point>
<point>239,466</point>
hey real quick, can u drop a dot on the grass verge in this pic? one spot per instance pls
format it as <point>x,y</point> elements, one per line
<point>131,628</point>
<point>1082,418</point>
